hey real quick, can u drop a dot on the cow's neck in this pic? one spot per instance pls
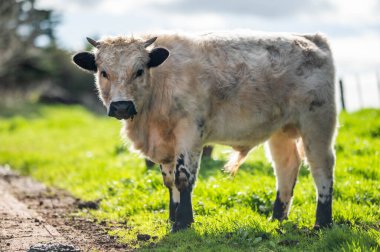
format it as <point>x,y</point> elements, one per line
<point>151,130</point>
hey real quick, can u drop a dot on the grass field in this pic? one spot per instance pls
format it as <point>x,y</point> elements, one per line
<point>71,148</point>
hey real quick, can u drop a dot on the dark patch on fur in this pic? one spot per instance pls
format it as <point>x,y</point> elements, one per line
<point>279,208</point>
<point>273,51</point>
<point>184,212</point>
<point>299,71</point>
<point>178,106</point>
<point>201,125</point>
<point>291,85</point>
<point>324,213</point>
<point>163,174</point>
<point>324,210</point>
<point>181,183</point>
<point>274,55</point>
<point>185,172</point>
<point>318,40</point>
<point>310,61</point>
<point>167,160</point>
<point>180,160</point>
<point>316,104</point>
<point>228,89</point>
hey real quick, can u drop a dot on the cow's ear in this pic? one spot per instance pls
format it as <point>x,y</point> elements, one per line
<point>85,60</point>
<point>157,56</point>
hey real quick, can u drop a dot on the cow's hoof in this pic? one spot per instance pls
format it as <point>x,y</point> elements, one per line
<point>319,226</point>
<point>178,226</point>
<point>275,218</point>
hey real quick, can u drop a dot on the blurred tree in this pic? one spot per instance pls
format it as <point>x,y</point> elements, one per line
<point>24,32</point>
<point>30,59</point>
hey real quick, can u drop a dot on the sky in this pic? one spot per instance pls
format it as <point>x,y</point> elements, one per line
<point>353,27</point>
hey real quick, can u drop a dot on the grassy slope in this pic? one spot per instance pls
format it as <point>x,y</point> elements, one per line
<point>71,148</point>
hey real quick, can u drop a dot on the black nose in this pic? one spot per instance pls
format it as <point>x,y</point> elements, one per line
<point>122,109</point>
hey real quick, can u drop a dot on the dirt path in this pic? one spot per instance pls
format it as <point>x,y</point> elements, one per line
<point>36,218</point>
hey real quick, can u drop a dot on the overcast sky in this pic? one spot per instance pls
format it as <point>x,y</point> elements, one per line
<point>352,26</point>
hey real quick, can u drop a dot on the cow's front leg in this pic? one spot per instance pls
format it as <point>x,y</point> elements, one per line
<point>167,171</point>
<point>186,170</point>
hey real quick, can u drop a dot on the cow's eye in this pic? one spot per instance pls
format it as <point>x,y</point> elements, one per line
<point>139,72</point>
<point>104,74</point>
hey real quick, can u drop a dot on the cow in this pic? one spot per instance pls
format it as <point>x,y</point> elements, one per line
<point>174,93</point>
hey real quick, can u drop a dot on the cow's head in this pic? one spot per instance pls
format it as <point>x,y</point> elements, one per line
<point>121,67</point>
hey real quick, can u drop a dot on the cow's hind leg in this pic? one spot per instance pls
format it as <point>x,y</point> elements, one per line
<point>286,161</point>
<point>318,136</point>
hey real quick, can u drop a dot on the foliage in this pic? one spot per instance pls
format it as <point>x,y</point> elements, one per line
<point>21,27</point>
<point>28,65</point>
<point>70,148</point>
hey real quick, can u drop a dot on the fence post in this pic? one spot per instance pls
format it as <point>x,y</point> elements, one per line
<point>378,84</point>
<point>342,102</point>
<point>359,91</point>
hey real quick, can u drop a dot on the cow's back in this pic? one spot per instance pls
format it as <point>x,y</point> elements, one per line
<point>256,81</point>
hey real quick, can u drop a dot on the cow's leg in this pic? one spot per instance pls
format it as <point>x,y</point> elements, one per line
<point>185,175</point>
<point>167,171</point>
<point>286,162</point>
<point>318,136</point>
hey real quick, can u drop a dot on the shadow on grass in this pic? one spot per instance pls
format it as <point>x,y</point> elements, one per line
<point>288,237</point>
<point>240,239</point>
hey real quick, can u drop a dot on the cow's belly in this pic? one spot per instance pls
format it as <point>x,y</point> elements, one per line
<point>236,131</point>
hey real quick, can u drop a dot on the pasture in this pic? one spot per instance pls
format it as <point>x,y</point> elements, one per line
<point>71,148</point>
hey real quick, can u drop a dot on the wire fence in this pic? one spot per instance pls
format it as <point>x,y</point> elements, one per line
<point>359,91</point>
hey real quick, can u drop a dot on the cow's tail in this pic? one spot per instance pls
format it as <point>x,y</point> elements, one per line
<point>237,158</point>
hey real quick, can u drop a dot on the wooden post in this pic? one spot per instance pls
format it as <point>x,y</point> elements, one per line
<point>342,102</point>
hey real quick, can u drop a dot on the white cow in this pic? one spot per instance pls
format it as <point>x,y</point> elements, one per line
<point>176,93</point>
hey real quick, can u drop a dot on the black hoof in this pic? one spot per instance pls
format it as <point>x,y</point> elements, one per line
<point>178,226</point>
<point>319,226</point>
<point>279,209</point>
<point>280,219</point>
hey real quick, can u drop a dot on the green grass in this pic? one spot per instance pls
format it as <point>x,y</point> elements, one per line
<point>71,148</point>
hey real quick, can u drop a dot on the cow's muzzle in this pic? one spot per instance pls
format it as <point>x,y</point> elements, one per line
<point>122,110</point>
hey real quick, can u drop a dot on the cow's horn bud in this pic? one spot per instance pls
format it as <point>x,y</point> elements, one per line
<point>93,42</point>
<point>149,42</point>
